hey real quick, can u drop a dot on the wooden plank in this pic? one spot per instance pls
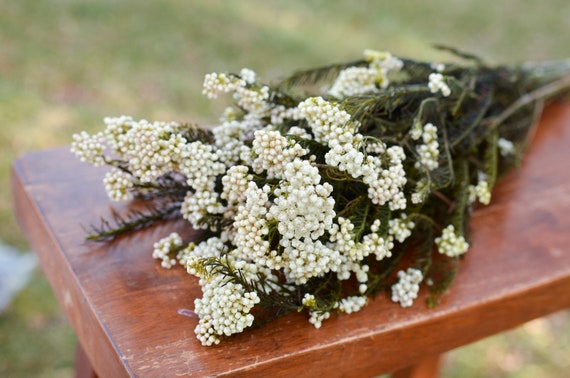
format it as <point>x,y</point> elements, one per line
<point>83,367</point>
<point>427,368</point>
<point>129,313</point>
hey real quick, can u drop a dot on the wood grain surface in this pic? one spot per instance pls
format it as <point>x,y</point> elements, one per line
<point>134,318</point>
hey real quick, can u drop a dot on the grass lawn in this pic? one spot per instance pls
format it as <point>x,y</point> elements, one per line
<point>64,65</point>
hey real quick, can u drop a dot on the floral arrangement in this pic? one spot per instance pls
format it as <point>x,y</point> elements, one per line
<point>327,188</point>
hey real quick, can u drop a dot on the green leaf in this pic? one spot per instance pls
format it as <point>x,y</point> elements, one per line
<point>133,221</point>
<point>459,53</point>
<point>384,214</point>
<point>465,131</point>
<point>427,112</point>
<point>317,75</point>
<point>442,274</point>
<point>424,249</point>
<point>444,175</point>
<point>491,157</point>
<point>357,212</point>
<point>460,195</point>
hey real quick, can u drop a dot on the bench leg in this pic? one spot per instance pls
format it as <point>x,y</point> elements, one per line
<point>428,368</point>
<point>83,367</point>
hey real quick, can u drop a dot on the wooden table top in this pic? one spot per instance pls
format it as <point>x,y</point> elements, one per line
<point>134,318</point>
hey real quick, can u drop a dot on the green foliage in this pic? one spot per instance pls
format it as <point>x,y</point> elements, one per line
<point>357,212</point>
<point>306,79</point>
<point>442,274</point>
<point>135,220</point>
<point>273,303</point>
<point>67,64</point>
<point>491,158</point>
<point>460,196</point>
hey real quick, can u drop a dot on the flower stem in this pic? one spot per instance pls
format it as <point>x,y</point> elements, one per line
<point>541,94</point>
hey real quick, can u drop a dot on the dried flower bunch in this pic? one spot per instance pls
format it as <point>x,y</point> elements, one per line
<point>329,187</point>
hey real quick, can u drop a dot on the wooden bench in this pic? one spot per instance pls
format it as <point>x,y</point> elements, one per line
<point>134,318</point>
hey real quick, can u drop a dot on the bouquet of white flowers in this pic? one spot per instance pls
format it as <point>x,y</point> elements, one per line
<point>329,187</point>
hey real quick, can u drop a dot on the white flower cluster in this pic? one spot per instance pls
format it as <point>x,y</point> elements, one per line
<point>115,130</point>
<point>252,229</point>
<point>352,253</point>
<point>216,83</point>
<point>408,286</point>
<point>327,121</point>
<point>304,210</point>
<point>362,80</point>
<point>438,67</point>
<point>249,98</point>
<point>303,205</point>
<point>201,167</point>
<point>229,138</point>
<point>300,132</point>
<point>401,228</point>
<point>429,150</point>
<point>185,254</point>
<point>480,192</point>
<point>253,101</point>
<point>332,125</point>
<point>380,247</point>
<point>420,192</point>
<point>89,148</point>
<point>356,81</point>
<point>165,247</point>
<point>280,113</point>
<point>451,244</point>
<point>235,183</point>
<point>437,84</point>
<point>352,304</point>
<point>506,147</point>
<point>309,301</point>
<point>416,131</point>
<point>224,309</point>
<point>272,151</point>
<point>197,205</point>
<point>118,184</point>
<point>247,75</point>
<point>385,184</point>
<point>150,149</point>
<point>372,244</point>
<point>347,158</point>
<point>211,247</point>
<point>373,145</point>
<point>342,239</point>
<point>316,317</point>
<point>383,59</point>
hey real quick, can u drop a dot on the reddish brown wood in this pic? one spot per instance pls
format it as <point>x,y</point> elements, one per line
<point>83,367</point>
<point>428,368</point>
<point>126,309</point>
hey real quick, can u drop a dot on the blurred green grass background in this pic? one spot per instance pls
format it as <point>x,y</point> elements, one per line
<point>64,65</point>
